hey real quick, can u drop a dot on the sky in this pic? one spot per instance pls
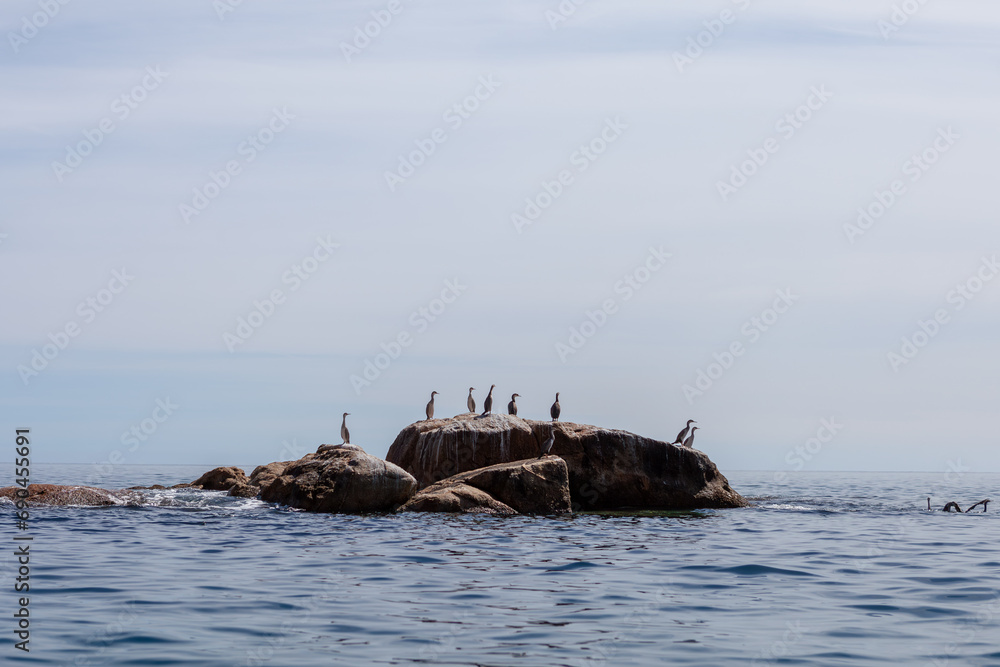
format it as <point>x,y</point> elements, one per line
<point>777,218</point>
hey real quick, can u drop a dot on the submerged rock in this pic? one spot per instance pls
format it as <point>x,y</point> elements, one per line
<point>58,494</point>
<point>608,468</point>
<point>341,478</point>
<point>533,486</point>
<point>221,479</point>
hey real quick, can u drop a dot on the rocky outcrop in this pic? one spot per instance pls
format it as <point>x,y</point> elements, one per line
<point>262,476</point>
<point>341,478</point>
<point>221,479</point>
<point>533,486</point>
<point>57,494</point>
<point>456,498</point>
<point>244,490</point>
<point>608,468</point>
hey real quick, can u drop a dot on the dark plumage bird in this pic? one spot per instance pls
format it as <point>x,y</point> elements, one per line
<point>689,443</point>
<point>471,402</point>
<point>344,433</point>
<point>683,433</point>
<point>430,406</point>
<point>555,410</point>
<point>512,406</point>
<point>547,445</point>
<point>488,403</point>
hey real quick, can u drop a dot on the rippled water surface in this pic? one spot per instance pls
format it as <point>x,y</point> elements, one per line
<point>824,569</point>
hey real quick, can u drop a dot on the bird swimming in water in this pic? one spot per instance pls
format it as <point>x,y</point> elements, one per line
<point>555,410</point>
<point>683,433</point>
<point>471,402</point>
<point>689,443</point>
<point>430,406</point>
<point>512,406</point>
<point>488,403</point>
<point>547,445</point>
<point>344,433</point>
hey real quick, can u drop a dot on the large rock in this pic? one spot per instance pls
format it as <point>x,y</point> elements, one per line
<point>534,486</point>
<point>57,494</point>
<point>262,476</point>
<point>608,469</point>
<point>456,498</point>
<point>341,478</point>
<point>221,479</point>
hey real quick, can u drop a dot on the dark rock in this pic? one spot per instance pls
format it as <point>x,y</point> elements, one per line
<point>262,476</point>
<point>341,478</point>
<point>57,494</point>
<point>608,469</point>
<point>221,479</point>
<point>442,497</point>
<point>244,490</point>
<point>532,486</point>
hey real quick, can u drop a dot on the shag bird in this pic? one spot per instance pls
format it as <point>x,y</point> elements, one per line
<point>430,406</point>
<point>344,433</point>
<point>683,433</point>
<point>471,402</point>
<point>512,406</point>
<point>689,443</point>
<point>547,445</point>
<point>488,403</point>
<point>555,410</point>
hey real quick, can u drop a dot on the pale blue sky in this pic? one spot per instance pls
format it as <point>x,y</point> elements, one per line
<point>323,176</point>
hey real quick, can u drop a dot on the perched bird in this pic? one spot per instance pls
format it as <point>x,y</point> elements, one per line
<point>547,445</point>
<point>683,433</point>
<point>471,402</point>
<point>555,410</point>
<point>430,406</point>
<point>344,433</point>
<point>488,403</point>
<point>512,406</point>
<point>689,443</point>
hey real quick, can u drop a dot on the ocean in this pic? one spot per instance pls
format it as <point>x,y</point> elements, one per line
<point>823,569</point>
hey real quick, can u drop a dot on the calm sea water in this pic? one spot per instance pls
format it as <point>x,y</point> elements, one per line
<point>824,569</point>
